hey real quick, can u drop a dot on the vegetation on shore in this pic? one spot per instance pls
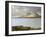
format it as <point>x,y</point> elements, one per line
<point>21,28</point>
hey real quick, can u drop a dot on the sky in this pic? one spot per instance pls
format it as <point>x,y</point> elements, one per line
<point>22,11</point>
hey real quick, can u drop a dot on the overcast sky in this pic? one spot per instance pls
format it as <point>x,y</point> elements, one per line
<point>23,10</point>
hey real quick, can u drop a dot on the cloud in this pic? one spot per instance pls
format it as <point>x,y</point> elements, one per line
<point>26,11</point>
